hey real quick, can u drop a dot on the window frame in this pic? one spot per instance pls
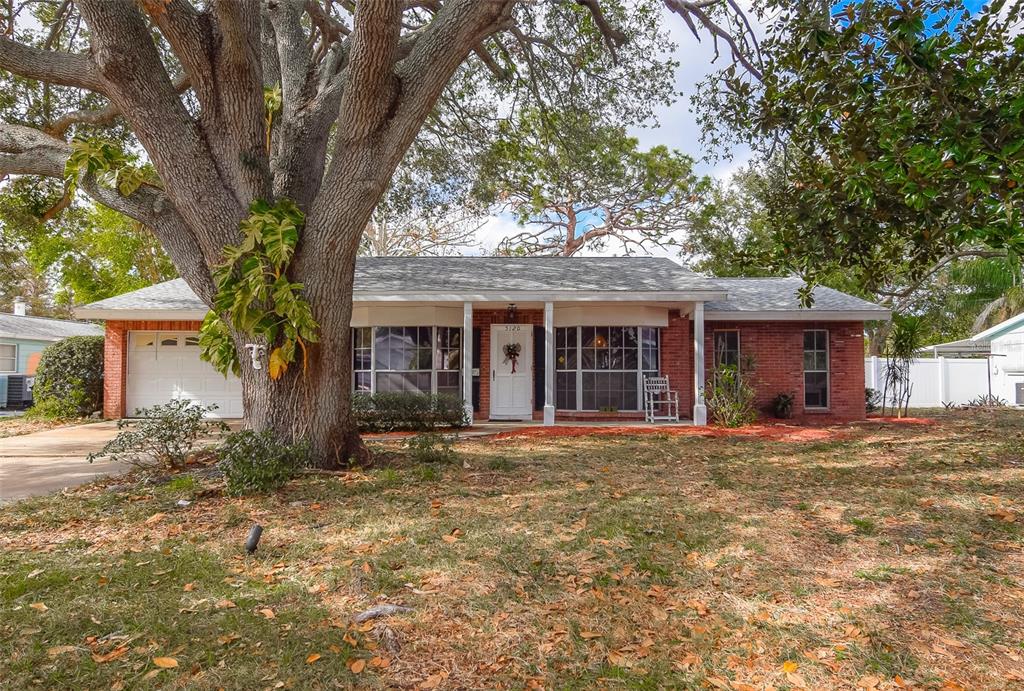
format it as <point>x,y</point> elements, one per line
<point>14,359</point>
<point>826,371</point>
<point>580,370</point>
<point>714,348</point>
<point>435,358</point>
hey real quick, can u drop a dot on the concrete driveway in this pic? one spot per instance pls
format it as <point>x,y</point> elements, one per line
<point>44,462</point>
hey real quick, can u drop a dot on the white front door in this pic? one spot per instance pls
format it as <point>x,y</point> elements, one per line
<point>511,391</point>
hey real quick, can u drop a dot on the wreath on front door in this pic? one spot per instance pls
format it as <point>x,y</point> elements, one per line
<point>512,351</point>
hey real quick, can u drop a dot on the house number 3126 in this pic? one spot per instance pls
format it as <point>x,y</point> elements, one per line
<point>513,327</point>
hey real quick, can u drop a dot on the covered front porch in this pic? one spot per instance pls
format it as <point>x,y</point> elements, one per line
<point>549,361</point>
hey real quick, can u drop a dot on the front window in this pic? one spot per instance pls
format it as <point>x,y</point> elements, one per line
<point>816,368</point>
<point>413,359</point>
<point>448,360</point>
<point>602,367</point>
<point>8,357</point>
<point>727,349</point>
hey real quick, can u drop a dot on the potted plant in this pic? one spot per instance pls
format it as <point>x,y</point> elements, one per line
<point>782,406</point>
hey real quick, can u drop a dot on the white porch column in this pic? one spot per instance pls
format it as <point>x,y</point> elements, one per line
<point>549,364</point>
<point>700,411</point>
<point>467,359</point>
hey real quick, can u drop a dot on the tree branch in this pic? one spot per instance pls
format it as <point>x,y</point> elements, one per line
<point>52,67</point>
<point>688,9</point>
<point>27,151</point>
<point>613,38</point>
<point>99,116</point>
<point>370,86</point>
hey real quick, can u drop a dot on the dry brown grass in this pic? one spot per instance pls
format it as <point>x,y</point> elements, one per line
<point>877,555</point>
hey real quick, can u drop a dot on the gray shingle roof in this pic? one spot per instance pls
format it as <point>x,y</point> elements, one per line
<point>780,295</point>
<point>43,328</point>
<point>533,274</point>
<point>169,295</point>
<point>538,275</point>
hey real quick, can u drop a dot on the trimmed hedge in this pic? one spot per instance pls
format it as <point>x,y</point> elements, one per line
<point>69,379</point>
<point>414,412</point>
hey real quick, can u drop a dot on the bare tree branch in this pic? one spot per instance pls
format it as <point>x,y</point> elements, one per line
<point>749,56</point>
<point>99,116</point>
<point>66,69</point>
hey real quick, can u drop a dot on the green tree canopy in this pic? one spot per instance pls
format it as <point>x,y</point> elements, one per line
<point>899,127</point>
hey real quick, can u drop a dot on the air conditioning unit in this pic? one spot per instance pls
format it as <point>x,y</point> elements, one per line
<point>19,390</point>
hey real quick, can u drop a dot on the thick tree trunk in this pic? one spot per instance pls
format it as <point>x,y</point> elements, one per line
<point>311,402</point>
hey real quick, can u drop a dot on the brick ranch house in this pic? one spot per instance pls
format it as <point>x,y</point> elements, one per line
<point>587,330</point>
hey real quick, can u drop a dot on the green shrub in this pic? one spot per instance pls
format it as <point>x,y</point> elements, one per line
<point>57,408</point>
<point>165,438</point>
<point>256,463</point>
<point>431,448</point>
<point>394,411</point>
<point>69,379</point>
<point>730,399</point>
<point>782,406</point>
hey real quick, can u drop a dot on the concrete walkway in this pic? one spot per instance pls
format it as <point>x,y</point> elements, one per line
<point>44,462</point>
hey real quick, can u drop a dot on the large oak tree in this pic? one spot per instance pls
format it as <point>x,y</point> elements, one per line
<point>286,119</point>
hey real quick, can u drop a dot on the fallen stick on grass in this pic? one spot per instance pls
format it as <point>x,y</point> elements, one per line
<point>380,611</point>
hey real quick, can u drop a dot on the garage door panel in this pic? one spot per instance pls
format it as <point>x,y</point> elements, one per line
<point>165,366</point>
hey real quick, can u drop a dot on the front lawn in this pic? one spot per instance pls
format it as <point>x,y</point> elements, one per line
<point>874,555</point>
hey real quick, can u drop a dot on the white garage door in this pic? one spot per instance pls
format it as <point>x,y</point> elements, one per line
<point>165,366</point>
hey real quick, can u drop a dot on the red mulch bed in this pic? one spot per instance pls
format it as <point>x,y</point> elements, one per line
<point>772,432</point>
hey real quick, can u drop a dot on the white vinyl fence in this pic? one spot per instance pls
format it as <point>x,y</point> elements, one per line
<point>936,381</point>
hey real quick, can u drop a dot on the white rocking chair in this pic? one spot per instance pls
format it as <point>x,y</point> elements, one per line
<point>661,404</point>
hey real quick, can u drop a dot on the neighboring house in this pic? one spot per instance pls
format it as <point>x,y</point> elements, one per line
<point>22,339</point>
<point>1005,342</point>
<point>588,331</point>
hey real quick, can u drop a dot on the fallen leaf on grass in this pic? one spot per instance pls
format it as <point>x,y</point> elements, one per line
<point>452,536</point>
<point>796,680</point>
<point>60,650</point>
<point>225,604</point>
<point>165,662</point>
<point>868,682</point>
<point>589,635</point>
<point>155,518</point>
<point>267,613</point>
<point>789,666</point>
<point>189,587</point>
<point>112,655</point>
<point>39,606</point>
<point>356,666</point>
<point>312,657</point>
<point>433,681</point>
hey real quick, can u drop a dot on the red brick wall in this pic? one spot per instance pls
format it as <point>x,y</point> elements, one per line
<point>677,359</point>
<point>777,352</point>
<point>115,358</point>
<point>777,349</point>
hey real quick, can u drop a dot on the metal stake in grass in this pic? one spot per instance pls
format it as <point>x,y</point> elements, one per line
<point>254,538</point>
